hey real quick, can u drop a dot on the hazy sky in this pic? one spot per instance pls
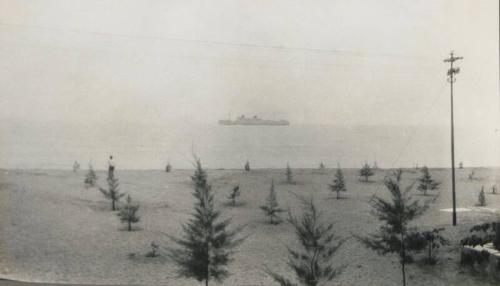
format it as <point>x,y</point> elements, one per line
<point>370,62</point>
<point>343,62</point>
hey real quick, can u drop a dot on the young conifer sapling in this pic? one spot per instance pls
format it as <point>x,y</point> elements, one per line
<point>128,213</point>
<point>366,172</point>
<point>426,182</point>
<point>206,247</point>
<point>395,213</point>
<point>312,261</point>
<point>90,177</point>
<point>271,208</point>
<point>113,192</point>
<point>289,175</point>
<point>481,200</point>
<point>321,167</point>
<point>235,193</point>
<point>338,185</point>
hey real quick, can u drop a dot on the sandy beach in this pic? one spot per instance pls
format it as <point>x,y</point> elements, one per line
<point>53,229</point>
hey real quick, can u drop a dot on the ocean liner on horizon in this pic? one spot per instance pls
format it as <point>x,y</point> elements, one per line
<point>242,120</point>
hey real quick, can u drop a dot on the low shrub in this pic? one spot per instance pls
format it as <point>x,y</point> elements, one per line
<point>154,252</point>
<point>474,258</point>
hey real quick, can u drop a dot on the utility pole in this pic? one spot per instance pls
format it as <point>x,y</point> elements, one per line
<point>451,79</point>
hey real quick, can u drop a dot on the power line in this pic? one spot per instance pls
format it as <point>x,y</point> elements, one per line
<point>273,63</point>
<point>412,136</point>
<point>221,43</point>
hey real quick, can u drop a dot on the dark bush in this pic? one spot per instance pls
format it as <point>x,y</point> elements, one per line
<point>482,234</point>
<point>473,258</point>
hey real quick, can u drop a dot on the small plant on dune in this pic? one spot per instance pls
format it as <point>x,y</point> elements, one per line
<point>128,213</point>
<point>247,166</point>
<point>481,199</point>
<point>430,241</point>
<point>426,183</point>
<point>366,172</point>
<point>271,208</point>
<point>206,246</point>
<point>234,194</point>
<point>312,261</point>
<point>338,185</point>
<point>395,213</point>
<point>289,175</point>
<point>90,177</point>
<point>155,250</point>
<point>434,241</point>
<point>168,167</point>
<point>113,192</point>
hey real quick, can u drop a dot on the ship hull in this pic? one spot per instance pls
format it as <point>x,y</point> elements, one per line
<point>255,122</point>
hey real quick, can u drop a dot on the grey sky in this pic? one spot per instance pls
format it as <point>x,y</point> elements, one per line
<point>118,60</point>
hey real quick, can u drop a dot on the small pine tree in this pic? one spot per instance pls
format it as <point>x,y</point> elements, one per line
<point>90,178</point>
<point>396,214</point>
<point>494,189</point>
<point>247,166</point>
<point>76,167</point>
<point>398,174</point>
<point>312,262</point>
<point>366,172</point>
<point>289,174</point>
<point>206,246</point>
<point>481,200</point>
<point>234,194</point>
<point>322,166</point>
<point>113,192</point>
<point>426,183</point>
<point>271,208</point>
<point>460,165</point>
<point>168,168</point>
<point>128,213</point>
<point>199,179</point>
<point>338,183</point>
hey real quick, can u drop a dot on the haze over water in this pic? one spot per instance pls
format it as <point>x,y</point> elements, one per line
<point>56,146</point>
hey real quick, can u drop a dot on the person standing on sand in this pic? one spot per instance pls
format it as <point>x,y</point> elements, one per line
<point>76,166</point>
<point>111,167</point>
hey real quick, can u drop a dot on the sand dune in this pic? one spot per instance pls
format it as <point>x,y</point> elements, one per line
<point>54,230</point>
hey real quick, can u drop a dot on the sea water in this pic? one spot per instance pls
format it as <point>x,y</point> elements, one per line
<point>57,146</point>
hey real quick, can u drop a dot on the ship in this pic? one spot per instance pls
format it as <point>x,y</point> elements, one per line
<point>255,120</point>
